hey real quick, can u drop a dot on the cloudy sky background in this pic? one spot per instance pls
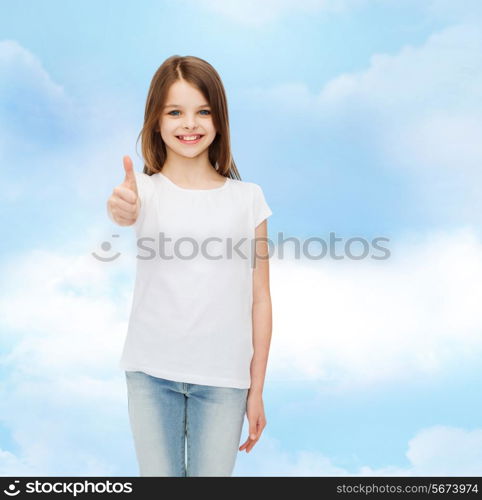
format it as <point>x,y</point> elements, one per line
<point>360,118</point>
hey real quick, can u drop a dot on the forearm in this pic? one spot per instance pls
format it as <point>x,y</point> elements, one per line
<point>262,328</point>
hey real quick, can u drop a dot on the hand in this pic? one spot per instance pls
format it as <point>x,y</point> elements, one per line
<point>124,203</point>
<point>256,419</point>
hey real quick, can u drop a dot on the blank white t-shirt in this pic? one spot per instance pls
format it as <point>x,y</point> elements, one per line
<point>191,316</point>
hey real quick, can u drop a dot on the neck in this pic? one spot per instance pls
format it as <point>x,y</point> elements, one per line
<point>189,170</point>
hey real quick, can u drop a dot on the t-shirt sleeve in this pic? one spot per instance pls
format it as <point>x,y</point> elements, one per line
<point>261,208</point>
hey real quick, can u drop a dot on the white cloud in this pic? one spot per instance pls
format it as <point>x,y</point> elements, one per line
<point>348,325</point>
<point>57,133</point>
<point>268,458</point>
<point>19,64</point>
<point>420,109</point>
<point>71,314</point>
<point>33,105</point>
<point>433,451</point>
<point>439,451</point>
<point>257,14</point>
<point>63,321</point>
<point>351,324</point>
<point>448,9</point>
<point>30,100</point>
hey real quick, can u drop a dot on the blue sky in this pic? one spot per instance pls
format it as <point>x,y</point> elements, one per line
<point>358,117</point>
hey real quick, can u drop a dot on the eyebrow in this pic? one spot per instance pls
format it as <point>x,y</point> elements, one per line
<point>179,106</point>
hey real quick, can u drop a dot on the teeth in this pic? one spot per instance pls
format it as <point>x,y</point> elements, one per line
<point>189,137</point>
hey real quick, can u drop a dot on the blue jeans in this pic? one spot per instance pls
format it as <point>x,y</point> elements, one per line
<point>165,416</point>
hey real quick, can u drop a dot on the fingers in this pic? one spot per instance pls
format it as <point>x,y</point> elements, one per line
<point>123,221</point>
<point>255,431</point>
<point>124,203</point>
<point>251,441</point>
<point>248,444</point>
<point>124,206</point>
<point>125,194</point>
<point>130,178</point>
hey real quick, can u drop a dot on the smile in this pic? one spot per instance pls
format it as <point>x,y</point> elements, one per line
<point>190,139</point>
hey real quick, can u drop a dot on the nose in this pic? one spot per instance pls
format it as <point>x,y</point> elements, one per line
<point>190,123</point>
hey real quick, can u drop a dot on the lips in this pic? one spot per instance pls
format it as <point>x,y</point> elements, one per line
<point>190,141</point>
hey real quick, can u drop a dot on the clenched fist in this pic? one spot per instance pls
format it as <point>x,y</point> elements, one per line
<point>124,203</point>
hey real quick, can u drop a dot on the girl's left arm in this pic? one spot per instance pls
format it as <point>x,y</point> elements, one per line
<point>262,326</point>
<point>262,312</point>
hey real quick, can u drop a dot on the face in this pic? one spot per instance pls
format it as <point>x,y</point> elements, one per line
<point>186,113</point>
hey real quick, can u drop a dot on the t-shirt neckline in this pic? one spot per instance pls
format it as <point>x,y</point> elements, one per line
<point>176,186</point>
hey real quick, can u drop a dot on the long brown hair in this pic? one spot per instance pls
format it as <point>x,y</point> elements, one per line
<point>205,78</point>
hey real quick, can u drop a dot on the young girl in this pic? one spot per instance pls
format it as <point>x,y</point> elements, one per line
<point>199,332</point>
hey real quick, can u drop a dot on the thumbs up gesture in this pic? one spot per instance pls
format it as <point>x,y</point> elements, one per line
<point>124,203</point>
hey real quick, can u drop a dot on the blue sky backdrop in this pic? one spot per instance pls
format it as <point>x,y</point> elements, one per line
<point>357,117</point>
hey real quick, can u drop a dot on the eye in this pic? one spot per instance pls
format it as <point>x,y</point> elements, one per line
<point>177,111</point>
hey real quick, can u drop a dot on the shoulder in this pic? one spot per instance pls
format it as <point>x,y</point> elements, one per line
<point>142,177</point>
<point>248,192</point>
<point>145,183</point>
<point>246,187</point>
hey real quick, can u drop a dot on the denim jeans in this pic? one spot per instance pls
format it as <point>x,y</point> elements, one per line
<point>165,416</point>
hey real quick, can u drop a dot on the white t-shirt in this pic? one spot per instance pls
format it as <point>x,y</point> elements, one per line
<point>191,316</point>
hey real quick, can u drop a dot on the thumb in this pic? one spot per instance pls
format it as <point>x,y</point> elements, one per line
<point>130,178</point>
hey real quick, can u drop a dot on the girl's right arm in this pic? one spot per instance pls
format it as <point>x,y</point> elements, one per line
<point>124,204</point>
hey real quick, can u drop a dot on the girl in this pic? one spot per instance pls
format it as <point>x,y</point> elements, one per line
<point>199,331</point>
